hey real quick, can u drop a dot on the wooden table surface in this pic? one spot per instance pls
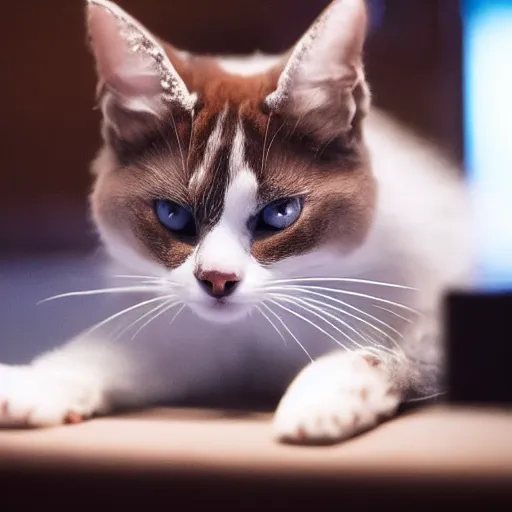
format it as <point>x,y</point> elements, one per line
<point>432,453</point>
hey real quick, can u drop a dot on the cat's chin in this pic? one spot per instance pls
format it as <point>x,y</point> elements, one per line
<point>221,312</point>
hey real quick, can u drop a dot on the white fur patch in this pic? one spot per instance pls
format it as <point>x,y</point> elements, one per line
<point>237,155</point>
<point>248,66</point>
<point>240,201</point>
<point>225,248</point>
<point>212,148</point>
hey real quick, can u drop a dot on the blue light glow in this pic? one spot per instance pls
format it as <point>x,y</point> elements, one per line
<point>488,131</point>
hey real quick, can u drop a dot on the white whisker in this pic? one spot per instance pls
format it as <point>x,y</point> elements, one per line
<point>265,142</point>
<point>272,142</point>
<point>190,139</point>
<point>307,320</point>
<point>288,330</point>
<point>175,184</point>
<point>311,309</point>
<point>179,145</point>
<point>155,316</point>
<point>295,126</point>
<point>353,308</point>
<point>149,278</point>
<point>341,280</point>
<point>177,313</point>
<point>130,276</point>
<point>391,312</point>
<point>145,315</point>
<point>422,398</point>
<point>100,291</point>
<point>379,347</point>
<point>351,328</point>
<point>362,320</point>
<point>159,283</point>
<point>264,315</point>
<point>127,310</point>
<point>346,292</point>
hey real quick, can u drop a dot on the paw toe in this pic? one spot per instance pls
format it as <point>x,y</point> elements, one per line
<point>73,418</point>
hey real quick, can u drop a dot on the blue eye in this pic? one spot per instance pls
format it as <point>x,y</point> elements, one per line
<point>280,214</point>
<point>174,216</point>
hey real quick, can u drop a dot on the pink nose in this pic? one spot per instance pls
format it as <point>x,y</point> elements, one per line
<point>217,284</point>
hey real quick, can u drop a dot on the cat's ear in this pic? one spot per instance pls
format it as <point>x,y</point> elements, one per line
<point>322,82</point>
<point>136,79</point>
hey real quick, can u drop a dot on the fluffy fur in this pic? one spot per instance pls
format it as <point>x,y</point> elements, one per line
<point>383,232</point>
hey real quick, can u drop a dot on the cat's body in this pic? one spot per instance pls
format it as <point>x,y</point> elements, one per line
<point>389,209</point>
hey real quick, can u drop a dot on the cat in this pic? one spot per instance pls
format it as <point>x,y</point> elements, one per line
<point>298,239</point>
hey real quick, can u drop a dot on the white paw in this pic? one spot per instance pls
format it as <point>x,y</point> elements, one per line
<point>32,398</point>
<point>334,398</point>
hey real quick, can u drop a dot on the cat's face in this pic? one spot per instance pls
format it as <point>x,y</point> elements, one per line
<point>222,181</point>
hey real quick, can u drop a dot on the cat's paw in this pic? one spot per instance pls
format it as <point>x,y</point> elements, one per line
<point>335,398</point>
<point>32,398</point>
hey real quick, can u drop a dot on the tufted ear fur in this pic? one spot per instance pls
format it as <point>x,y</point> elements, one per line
<point>322,82</point>
<point>136,79</point>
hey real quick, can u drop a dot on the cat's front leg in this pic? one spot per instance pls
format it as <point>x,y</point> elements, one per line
<point>88,376</point>
<point>34,397</point>
<point>56,390</point>
<point>341,395</point>
<point>94,374</point>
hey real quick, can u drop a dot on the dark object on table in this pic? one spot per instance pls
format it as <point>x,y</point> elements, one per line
<point>479,338</point>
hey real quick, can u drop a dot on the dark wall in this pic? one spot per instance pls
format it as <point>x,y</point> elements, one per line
<point>49,130</point>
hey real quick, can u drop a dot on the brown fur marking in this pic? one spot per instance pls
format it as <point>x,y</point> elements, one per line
<point>332,175</point>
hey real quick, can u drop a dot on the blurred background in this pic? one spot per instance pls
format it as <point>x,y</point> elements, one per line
<point>50,130</point>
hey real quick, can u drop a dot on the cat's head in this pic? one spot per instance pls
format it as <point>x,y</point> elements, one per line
<point>222,175</point>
